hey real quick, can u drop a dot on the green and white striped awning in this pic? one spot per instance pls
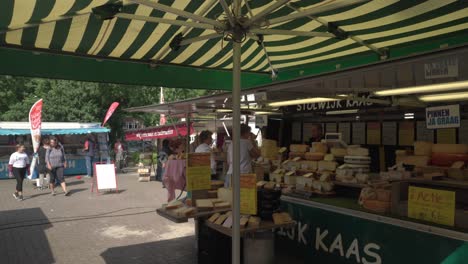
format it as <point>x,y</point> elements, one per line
<point>35,33</point>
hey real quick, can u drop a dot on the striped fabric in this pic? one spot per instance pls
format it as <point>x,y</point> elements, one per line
<point>69,26</point>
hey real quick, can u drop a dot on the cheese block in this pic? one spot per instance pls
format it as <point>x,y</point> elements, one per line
<point>281,218</point>
<point>221,219</point>
<point>458,165</point>
<point>447,159</point>
<point>293,155</point>
<point>290,180</point>
<point>357,151</point>
<point>309,165</point>
<point>339,152</point>
<point>362,177</point>
<point>327,165</point>
<point>254,221</point>
<point>325,177</point>
<point>450,148</point>
<point>329,157</point>
<point>298,148</point>
<point>418,161</point>
<point>184,211</point>
<point>357,160</point>
<point>228,222</point>
<point>308,175</point>
<point>174,205</point>
<point>225,194</point>
<point>422,148</point>
<point>244,220</point>
<point>282,150</point>
<point>319,147</point>
<point>222,205</point>
<point>276,177</point>
<point>214,217</point>
<point>314,156</point>
<point>297,158</point>
<point>205,204</point>
<point>327,186</point>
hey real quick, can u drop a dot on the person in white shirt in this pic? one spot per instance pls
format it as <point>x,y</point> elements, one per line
<point>19,166</point>
<point>248,151</point>
<point>206,140</point>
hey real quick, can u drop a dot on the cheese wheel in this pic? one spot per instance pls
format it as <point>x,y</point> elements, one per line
<point>357,151</point>
<point>309,164</point>
<point>422,148</point>
<point>298,148</point>
<point>327,165</point>
<point>339,152</point>
<point>447,159</point>
<point>418,161</point>
<point>329,157</point>
<point>376,206</point>
<point>450,148</point>
<point>319,147</point>
<point>314,156</point>
<point>293,155</point>
<point>357,159</point>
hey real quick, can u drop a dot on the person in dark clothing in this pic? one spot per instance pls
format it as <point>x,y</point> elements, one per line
<point>44,172</point>
<point>90,151</point>
<point>316,133</point>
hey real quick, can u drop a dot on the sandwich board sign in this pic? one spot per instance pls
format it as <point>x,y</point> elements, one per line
<point>104,177</point>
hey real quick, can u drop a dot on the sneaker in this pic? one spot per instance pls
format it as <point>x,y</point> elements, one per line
<point>52,193</point>
<point>20,198</point>
<point>67,193</point>
<point>16,196</point>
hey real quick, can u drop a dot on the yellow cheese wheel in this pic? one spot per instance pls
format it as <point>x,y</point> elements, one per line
<point>324,165</point>
<point>314,156</point>
<point>450,148</point>
<point>298,148</point>
<point>422,148</point>
<point>339,152</point>
<point>418,161</point>
<point>319,147</point>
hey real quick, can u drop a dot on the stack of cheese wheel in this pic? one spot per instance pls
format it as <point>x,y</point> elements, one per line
<point>317,151</point>
<point>357,160</point>
<point>269,149</point>
<point>421,157</point>
<point>447,154</point>
<point>297,151</point>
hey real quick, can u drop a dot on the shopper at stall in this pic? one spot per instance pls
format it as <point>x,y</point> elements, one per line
<point>206,140</point>
<point>44,172</point>
<point>248,151</point>
<point>18,166</point>
<point>90,151</point>
<point>118,150</point>
<point>163,156</point>
<point>316,133</point>
<point>56,163</point>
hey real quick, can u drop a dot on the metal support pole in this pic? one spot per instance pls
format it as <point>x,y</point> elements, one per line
<point>187,137</point>
<point>236,89</point>
<point>235,180</point>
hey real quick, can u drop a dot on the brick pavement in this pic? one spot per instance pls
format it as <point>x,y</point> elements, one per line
<point>90,228</point>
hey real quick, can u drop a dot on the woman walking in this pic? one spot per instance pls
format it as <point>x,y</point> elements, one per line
<point>56,163</point>
<point>18,166</point>
<point>42,164</point>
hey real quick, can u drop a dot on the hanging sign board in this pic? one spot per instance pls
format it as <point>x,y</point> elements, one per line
<point>431,205</point>
<point>443,68</point>
<point>248,194</point>
<point>443,116</point>
<point>198,171</point>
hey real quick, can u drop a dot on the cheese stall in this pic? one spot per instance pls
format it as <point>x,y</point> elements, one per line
<point>371,169</point>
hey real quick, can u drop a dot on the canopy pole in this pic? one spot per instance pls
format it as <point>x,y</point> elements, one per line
<point>236,153</point>
<point>235,178</point>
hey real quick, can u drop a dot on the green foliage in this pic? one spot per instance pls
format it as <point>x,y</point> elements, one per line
<point>73,101</point>
<point>136,157</point>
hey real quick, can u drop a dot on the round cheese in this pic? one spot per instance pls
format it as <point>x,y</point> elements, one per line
<point>314,156</point>
<point>319,147</point>
<point>450,148</point>
<point>447,159</point>
<point>329,157</point>
<point>357,159</point>
<point>298,148</point>
<point>339,152</point>
<point>357,151</point>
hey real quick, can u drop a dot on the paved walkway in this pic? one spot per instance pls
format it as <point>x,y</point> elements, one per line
<point>88,228</point>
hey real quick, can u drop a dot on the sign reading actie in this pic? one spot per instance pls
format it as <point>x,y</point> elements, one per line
<point>443,116</point>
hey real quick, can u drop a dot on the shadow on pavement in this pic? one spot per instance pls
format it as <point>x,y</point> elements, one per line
<point>73,191</point>
<point>173,251</point>
<point>75,183</point>
<point>112,192</point>
<point>24,244</point>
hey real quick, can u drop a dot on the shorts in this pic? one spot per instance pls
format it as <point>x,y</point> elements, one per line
<point>56,175</point>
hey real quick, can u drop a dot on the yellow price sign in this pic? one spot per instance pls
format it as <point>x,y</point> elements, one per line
<point>198,178</point>
<point>248,194</point>
<point>431,205</point>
